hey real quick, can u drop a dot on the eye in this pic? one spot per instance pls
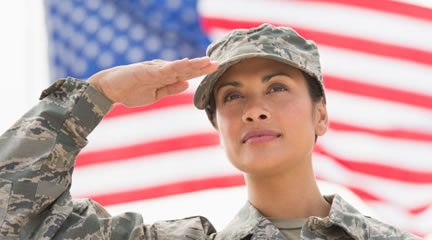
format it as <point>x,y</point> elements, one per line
<point>277,88</point>
<point>231,96</point>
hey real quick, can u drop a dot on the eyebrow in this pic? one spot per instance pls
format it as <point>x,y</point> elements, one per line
<point>264,79</point>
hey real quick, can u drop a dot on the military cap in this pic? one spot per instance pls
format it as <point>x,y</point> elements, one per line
<point>282,44</point>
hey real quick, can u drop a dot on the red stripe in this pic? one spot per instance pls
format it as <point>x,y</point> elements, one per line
<point>420,209</point>
<point>379,170</point>
<point>419,234</point>
<point>378,92</point>
<point>395,7</point>
<point>169,189</point>
<point>179,99</point>
<point>334,40</point>
<point>366,196</point>
<point>146,149</point>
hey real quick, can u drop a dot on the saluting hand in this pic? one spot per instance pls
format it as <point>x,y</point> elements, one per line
<point>144,83</point>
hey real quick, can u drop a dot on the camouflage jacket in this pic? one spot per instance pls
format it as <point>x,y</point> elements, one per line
<point>37,156</point>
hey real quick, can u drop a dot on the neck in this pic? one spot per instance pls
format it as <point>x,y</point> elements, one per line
<point>291,194</point>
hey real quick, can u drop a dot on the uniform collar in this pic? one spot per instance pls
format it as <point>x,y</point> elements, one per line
<point>344,215</point>
<point>249,221</point>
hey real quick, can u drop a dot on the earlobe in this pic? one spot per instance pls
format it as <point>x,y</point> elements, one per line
<point>321,128</point>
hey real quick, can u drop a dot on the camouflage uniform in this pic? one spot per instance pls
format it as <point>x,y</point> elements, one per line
<point>37,157</point>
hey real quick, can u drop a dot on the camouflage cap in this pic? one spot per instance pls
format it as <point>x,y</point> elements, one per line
<point>282,44</point>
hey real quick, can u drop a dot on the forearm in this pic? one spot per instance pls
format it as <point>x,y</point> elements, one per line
<point>38,153</point>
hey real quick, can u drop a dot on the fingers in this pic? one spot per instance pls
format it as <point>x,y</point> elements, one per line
<point>213,66</point>
<point>172,89</point>
<point>187,69</point>
<point>199,63</point>
<point>195,63</point>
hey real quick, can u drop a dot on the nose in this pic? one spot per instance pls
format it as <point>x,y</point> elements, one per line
<point>255,114</point>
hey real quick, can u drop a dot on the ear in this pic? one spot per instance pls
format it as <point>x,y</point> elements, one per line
<point>321,118</point>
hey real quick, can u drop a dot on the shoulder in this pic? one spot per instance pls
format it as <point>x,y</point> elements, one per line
<point>380,230</point>
<point>360,226</point>
<point>130,224</point>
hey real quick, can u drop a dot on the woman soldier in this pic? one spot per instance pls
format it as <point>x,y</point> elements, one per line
<point>263,93</point>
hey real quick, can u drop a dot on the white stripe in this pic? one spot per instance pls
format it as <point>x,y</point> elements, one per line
<point>423,3</point>
<point>324,17</point>
<point>374,113</point>
<point>377,70</point>
<point>151,171</point>
<point>363,147</point>
<point>142,127</point>
<point>193,84</point>
<point>392,191</point>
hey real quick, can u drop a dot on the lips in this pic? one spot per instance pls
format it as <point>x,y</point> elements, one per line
<point>260,134</point>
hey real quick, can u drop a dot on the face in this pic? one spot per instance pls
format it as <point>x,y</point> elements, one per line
<point>265,117</point>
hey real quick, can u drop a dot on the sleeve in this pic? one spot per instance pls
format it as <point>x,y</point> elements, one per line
<point>37,156</point>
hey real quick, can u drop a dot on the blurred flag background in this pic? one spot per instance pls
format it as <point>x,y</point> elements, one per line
<point>165,161</point>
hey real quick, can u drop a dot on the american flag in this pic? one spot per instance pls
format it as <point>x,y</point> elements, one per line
<point>377,62</point>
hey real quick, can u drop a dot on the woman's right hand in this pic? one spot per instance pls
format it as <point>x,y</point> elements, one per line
<point>144,83</point>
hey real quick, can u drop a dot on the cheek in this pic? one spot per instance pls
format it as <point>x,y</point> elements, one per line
<point>295,117</point>
<point>227,126</point>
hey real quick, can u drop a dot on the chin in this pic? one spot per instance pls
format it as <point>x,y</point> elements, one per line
<point>258,164</point>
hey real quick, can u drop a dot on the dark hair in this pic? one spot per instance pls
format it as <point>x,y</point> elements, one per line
<point>314,89</point>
